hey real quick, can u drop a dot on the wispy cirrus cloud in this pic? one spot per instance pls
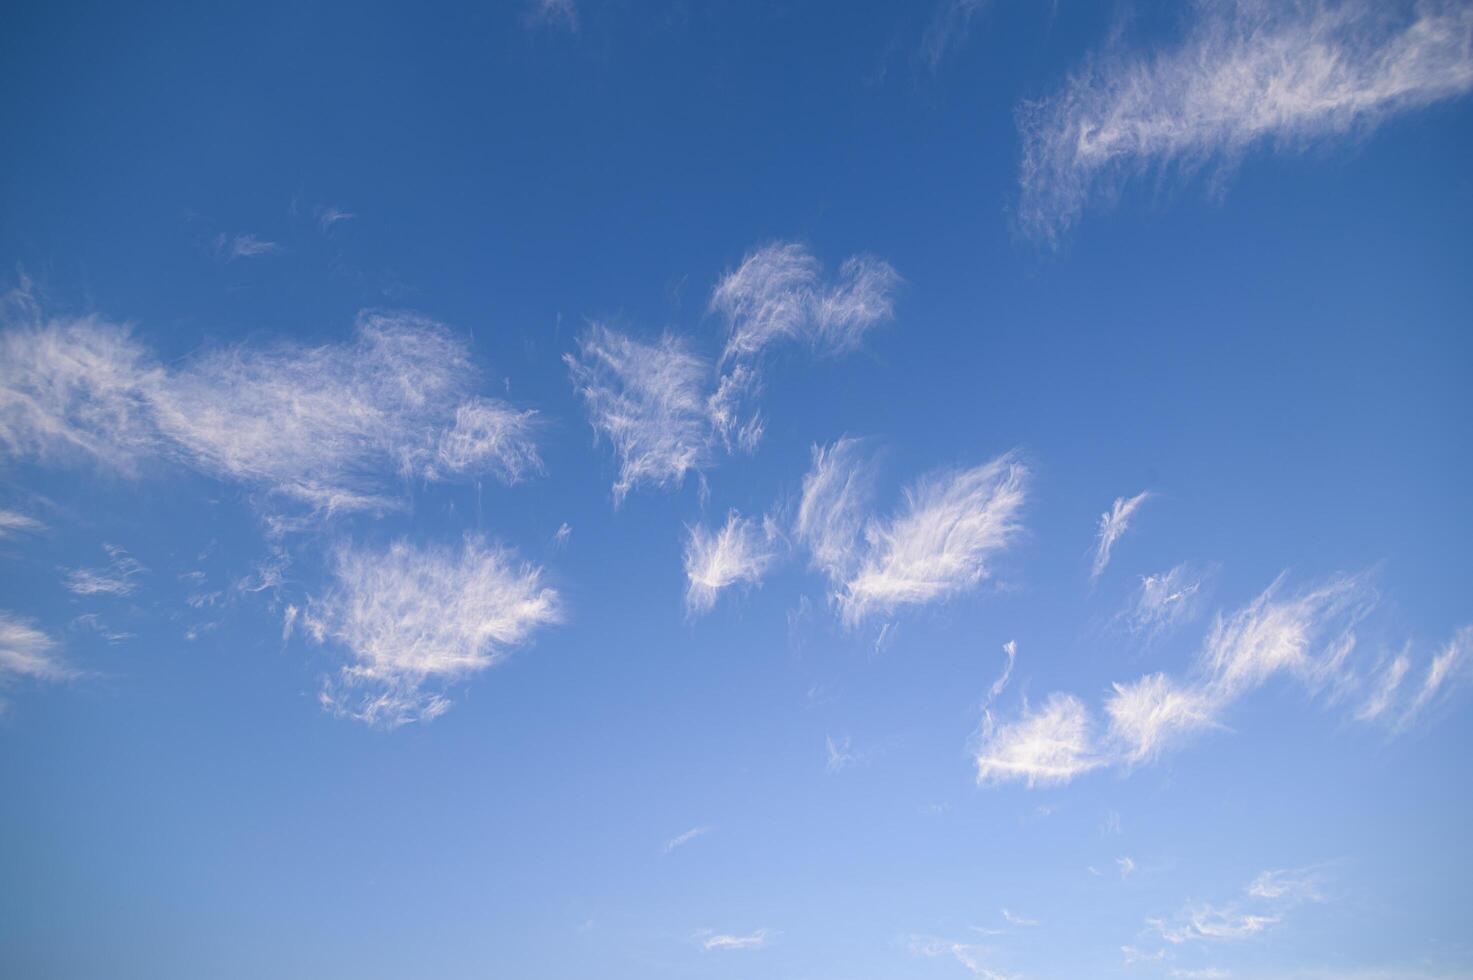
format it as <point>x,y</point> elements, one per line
<point>232,247</point>
<point>938,544</point>
<point>1245,75</point>
<point>26,653</point>
<point>777,293</point>
<point>553,13</point>
<point>668,409</point>
<point>1042,747</point>
<point>333,426</point>
<point>942,540</point>
<point>1308,636</point>
<point>727,941</point>
<point>1268,898</point>
<point>114,579</point>
<point>1114,523</point>
<point>975,958</point>
<point>649,400</point>
<point>414,619</point>
<point>680,840</point>
<point>1165,600</point>
<point>13,523</point>
<point>740,551</point>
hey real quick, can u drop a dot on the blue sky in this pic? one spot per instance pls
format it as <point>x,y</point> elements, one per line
<point>805,490</point>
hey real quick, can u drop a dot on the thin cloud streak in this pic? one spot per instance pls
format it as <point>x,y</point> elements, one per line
<point>1114,523</point>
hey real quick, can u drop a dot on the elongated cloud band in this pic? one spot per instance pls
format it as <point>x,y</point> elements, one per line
<point>1248,73</point>
<point>1308,637</point>
<point>332,426</point>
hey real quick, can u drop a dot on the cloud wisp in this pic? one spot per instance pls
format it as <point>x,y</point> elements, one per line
<point>649,400</point>
<point>414,619</point>
<point>1308,637</point>
<point>938,544</point>
<point>13,523</point>
<point>1246,75</point>
<point>1267,899</point>
<point>1114,523</point>
<point>331,426</point>
<point>26,653</point>
<point>114,579</point>
<point>741,551</point>
<point>667,409</point>
<point>728,942</point>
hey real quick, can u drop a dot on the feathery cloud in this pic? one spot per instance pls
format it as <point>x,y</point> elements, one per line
<point>116,579</point>
<point>1114,523</point>
<point>648,400</point>
<point>837,494</point>
<point>740,551</point>
<point>416,618</point>
<point>731,941</point>
<point>331,426</point>
<point>941,542</point>
<point>1044,747</point>
<point>1307,636</point>
<point>14,522</point>
<point>680,840</point>
<point>777,294</point>
<point>1247,74</point>
<point>27,652</point>
<point>555,13</point>
<point>1164,601</point>
<point>243,247</point>
<point>969,955</point>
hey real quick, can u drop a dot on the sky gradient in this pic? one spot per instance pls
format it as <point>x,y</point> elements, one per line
<point>826,491</point>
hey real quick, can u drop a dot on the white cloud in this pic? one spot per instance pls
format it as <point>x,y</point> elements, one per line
<point>1199,922</point>
<point>26,652</point>
<point>1288,885</point>
<point>332,426</point>
<point>1385,690</point>
<point>941,543</point>
<point>1048,746</point>
<point>680,840</point>
<point>1013,918</point>
<point>971,956</point>
<point>1155,711</point>
<point>730,941</point>
<point>835,504</point>
<point>740,551</point>
<point>116,579</point>
<point>769,297</point>
<point>557,13</point>
<point>329,216</point>
<point>1271,895</point>
<point>1114,523</point>
<point>1126,865</point>
<point>1248,74</point>
<point>415,618</point>
<point>777,294</point>
<point>1448,668</point>
<point>1164,601</point>
<point>244,247</point>
<point>649,400</point>
<point>840,756</point>
<point>948,28</point>
<point>77,389</point>
<point>13,522</point>
<point>488,436</point>
<point>1308,636</point>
